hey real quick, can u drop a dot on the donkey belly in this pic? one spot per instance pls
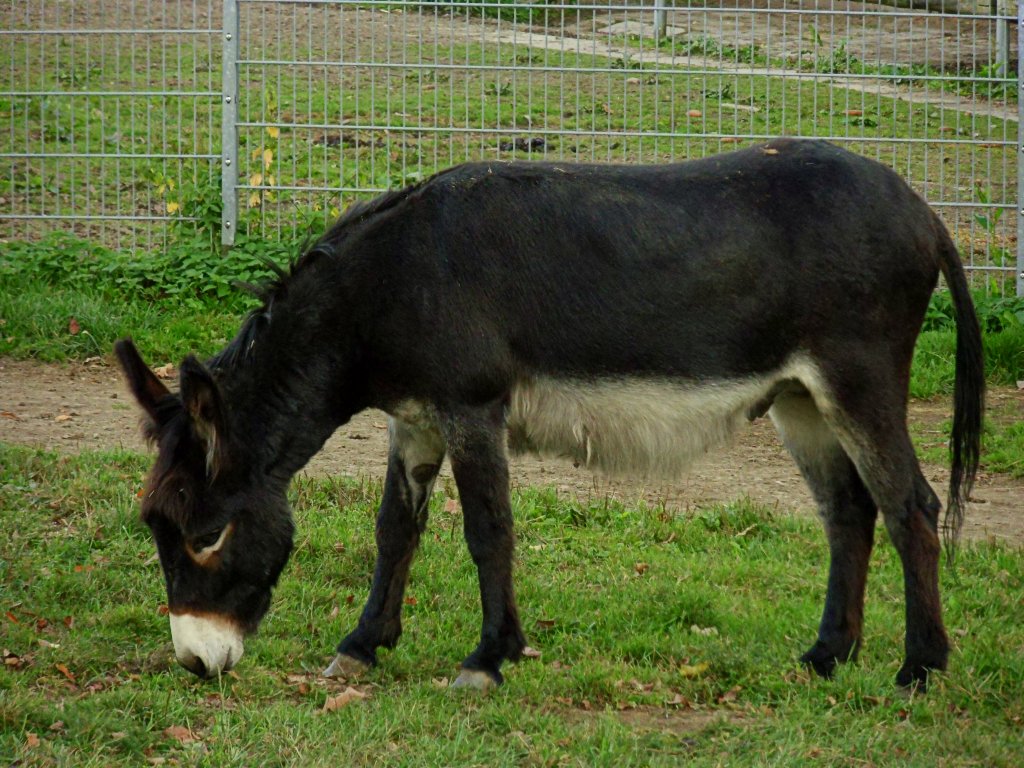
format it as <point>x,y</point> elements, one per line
<point>642,426</point>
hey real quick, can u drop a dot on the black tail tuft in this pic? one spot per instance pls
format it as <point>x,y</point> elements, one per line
<point>968,397</point>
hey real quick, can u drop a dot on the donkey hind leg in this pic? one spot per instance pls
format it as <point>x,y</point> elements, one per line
<point>871,426</point>
<point>414,459</point>
<point>476,442</point>
<point>849,514</point>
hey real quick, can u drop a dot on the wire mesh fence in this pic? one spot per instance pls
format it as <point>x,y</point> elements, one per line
<point>108,108</point>
<point>336,99</point>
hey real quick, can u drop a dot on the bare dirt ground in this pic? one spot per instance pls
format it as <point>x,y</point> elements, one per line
<point>77,407</point>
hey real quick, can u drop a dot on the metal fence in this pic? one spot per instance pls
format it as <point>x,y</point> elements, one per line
<point>121,119</point>
<point>106,110</point>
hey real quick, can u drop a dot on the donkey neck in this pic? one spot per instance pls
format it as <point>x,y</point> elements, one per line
<point>288,393</point>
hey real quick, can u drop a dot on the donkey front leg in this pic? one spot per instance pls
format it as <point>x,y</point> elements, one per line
<point>415,457</point>
<point>476,445</point>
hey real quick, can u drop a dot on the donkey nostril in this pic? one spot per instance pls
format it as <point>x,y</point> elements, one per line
<point>195,665</point>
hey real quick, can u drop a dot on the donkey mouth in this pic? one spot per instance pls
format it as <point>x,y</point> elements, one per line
<point>206,646</point>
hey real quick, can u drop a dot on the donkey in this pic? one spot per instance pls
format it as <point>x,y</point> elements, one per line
<point>625,317</point>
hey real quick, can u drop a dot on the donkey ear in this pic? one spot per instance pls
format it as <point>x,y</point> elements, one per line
<point>149,391</point>
<point>201,397</point>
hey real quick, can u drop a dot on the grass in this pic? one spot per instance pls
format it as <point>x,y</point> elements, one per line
<point>663,639</point>
<point>1002,442</point>
<point>35,322</point>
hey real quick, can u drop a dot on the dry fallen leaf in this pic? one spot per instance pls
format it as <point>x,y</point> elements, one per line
<point>530,653</point>
<point>698,630</point>
<point>62,417</point>
<point>10,415</point>
<point>31,740</point>
<point>694,113</point>
<point>730,695</point>
<point>641,568</point>
<point>342,699</point>
<point>73,327</point>
<point>165,371</point>
<point>179,733</point>
<point>451,506</point>
<point>62,668</point>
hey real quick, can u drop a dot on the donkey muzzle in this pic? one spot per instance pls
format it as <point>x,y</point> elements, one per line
<point>206,645</point>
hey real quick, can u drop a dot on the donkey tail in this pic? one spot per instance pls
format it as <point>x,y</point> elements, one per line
<point>968,393</point>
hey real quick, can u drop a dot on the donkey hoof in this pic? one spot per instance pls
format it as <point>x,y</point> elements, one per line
<point>475,679</point>
<point>821,661</point>
<point>914,678</point>
<point>345,666</point>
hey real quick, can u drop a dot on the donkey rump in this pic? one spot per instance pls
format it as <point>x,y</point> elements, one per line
<point>626,317</point>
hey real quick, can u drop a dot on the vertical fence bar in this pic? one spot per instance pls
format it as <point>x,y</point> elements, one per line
<point>660,20</point>
<point>1002,57</point>
<point>1020,150</point>
<point>229,126</point>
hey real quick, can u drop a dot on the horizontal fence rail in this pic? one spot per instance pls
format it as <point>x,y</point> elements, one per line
<point>122,116</point>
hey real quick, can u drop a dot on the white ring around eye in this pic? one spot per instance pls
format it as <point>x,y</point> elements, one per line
<point>203,556</point>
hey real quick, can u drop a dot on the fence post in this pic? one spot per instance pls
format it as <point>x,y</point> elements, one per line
<point>1002,54</point>
<point>660,20</point>
<point>229,126</point>
<point>1020,150</point>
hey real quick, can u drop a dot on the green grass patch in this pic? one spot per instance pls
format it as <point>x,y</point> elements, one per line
<point>663,639</point>
<point>1002,442</point>
<point>37,321</point>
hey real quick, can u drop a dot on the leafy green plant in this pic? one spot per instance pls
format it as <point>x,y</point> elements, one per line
<point>996,313</point>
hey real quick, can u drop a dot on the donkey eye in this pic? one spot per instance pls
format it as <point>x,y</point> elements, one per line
<point>200,543</point>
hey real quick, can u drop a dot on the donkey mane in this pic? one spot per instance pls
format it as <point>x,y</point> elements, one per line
<point>238,352</point>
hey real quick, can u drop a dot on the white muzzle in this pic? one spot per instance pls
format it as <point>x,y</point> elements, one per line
<point>206,645</point>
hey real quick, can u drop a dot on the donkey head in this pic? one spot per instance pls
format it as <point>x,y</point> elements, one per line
<point>222,528</point>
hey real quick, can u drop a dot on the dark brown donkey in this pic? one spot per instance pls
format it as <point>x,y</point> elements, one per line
<point>626,317</point>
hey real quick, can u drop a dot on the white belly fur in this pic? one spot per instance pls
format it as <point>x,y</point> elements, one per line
<point>632,426</point>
